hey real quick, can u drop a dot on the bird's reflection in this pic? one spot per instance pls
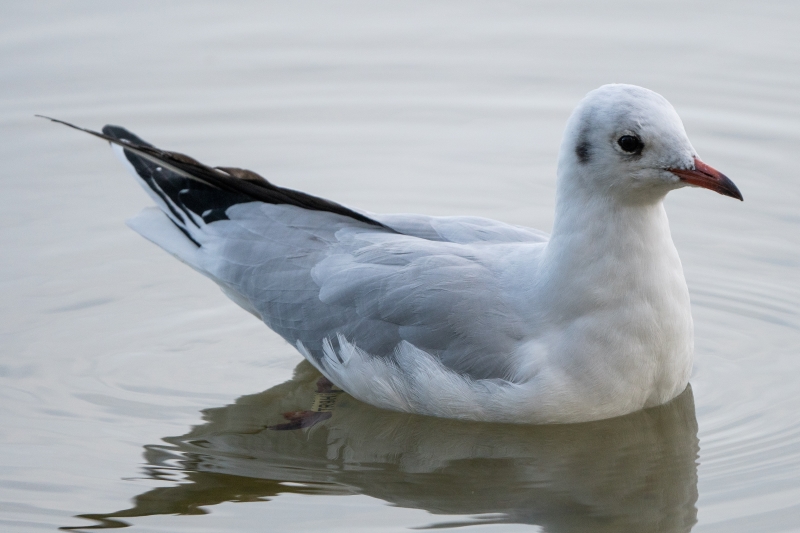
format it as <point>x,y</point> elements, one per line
<point>634,473</point>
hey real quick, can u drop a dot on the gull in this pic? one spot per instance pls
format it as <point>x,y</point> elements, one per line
<point>462,317</point>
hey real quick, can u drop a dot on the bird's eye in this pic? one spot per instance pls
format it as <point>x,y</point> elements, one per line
<point>630,143</point>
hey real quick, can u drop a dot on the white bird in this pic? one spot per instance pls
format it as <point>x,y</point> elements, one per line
<point>462,317</point>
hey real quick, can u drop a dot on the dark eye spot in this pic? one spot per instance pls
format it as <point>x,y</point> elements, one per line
<point>630,143</point>
<point>583,151</point>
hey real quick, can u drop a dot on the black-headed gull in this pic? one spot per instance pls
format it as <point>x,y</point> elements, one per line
<point>462,317</point>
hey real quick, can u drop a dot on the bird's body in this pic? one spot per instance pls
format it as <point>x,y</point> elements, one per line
<point>463,317</point>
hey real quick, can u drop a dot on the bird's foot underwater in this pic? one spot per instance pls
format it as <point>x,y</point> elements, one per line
<point>322,409</point>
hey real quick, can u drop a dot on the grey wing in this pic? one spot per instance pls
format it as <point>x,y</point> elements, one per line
<point>266,254</point>
<point>316,277</point>
<point>317,272</point>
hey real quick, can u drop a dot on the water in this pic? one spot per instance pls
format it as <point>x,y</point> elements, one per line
<point>133,392</point>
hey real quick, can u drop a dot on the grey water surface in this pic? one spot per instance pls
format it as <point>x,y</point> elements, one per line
<point>133,393</point>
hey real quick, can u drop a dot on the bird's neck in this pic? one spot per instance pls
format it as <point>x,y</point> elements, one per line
<point>606,251</point>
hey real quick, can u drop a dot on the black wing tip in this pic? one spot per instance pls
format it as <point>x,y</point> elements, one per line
<point>122,134</point>
<point>110,132</point>
<point>232,180</point>
<point>59,121</point>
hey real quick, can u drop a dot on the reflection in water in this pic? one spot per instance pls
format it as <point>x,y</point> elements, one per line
<point>634,473</point>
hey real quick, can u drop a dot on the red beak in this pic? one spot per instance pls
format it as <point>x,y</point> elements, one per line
<point>707,177</point>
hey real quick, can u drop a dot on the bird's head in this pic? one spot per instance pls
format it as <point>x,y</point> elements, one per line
<point>628,142</point>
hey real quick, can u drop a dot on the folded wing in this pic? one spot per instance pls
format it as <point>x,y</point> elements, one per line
<point>322,275</point>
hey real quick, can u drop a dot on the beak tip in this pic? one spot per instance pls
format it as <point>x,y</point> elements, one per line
<point>730,189</point>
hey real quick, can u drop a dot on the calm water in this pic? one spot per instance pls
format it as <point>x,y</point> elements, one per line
<point>132,392</point>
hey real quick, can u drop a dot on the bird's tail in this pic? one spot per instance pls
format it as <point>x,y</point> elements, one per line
<point>188,192</point>
<point>192,195</point>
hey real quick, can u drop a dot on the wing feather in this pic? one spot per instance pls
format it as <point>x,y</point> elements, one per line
<point>314,281</point>
<point>325,276</point>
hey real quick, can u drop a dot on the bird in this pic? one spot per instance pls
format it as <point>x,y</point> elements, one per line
<point>459,316</point>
